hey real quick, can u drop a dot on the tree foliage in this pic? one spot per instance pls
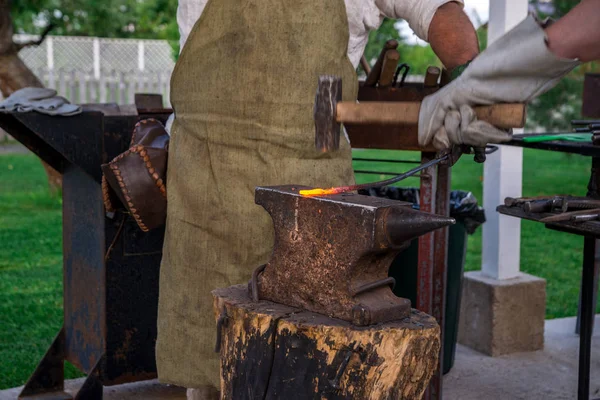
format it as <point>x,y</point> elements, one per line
<point>147,19</point>
<point>141,19</point>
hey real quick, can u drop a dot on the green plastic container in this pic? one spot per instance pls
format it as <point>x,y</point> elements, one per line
<point>404,270</point>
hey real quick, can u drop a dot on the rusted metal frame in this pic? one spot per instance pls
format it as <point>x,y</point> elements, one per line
<point>440,270</point>
<point>595,291</point>
<point>47,381</point>
<point>433,257</point>
<point>426,255</point>
<point>593,192</point>
<point>33,142</point>
<point>427,199</point>
<point>590,270</point>
<point>84,272</point>
<point>591,96</point>
<point>387,137</point>
<point>79,139</point>
<point>92,388</point>
<point>104,331</point>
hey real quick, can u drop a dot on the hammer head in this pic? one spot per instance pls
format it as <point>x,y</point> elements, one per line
<point>327,129</point>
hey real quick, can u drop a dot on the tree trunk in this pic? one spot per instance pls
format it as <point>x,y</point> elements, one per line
<point>271,351</point>
<point>15,75</point>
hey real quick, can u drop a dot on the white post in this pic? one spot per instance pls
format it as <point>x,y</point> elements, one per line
<point>50,61</point>
<point>141,60</point>
<point>96,58</point>
<point>503,172</point>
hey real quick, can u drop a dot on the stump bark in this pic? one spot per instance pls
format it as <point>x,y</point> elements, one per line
<point>271,351</point>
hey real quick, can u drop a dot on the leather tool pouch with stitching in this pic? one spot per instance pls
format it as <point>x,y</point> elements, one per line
<point>136,179</point>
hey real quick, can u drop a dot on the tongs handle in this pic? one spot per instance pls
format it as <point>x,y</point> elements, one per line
<point>453,154</point>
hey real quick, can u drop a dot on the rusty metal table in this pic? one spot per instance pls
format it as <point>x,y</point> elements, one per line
<point>110,267</point>
<point>591,249</point>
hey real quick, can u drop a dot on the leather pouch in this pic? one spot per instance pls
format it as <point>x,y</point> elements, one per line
<point>136,179</point>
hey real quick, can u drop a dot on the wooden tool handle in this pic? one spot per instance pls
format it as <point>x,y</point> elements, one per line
<point>388,69</point>
<point>432,76</point>
<point>373,76</point>
<point>504,116</point>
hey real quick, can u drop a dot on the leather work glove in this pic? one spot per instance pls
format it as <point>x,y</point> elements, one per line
<point>514,69</point>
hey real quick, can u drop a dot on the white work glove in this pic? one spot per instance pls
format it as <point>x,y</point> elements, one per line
<point>42,100</point>
<point>22,99</point>
<point>514,69</point>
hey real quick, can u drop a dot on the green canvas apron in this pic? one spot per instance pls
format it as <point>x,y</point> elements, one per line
<point>243,92</point>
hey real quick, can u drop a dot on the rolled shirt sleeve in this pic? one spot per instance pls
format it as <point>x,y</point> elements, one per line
<point>418,13</point>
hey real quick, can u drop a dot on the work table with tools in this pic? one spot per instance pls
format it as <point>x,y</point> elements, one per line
<point>574,215</point>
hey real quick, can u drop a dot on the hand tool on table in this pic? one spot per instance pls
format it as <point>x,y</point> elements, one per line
<point>542,204</point>
<point>373,76</point>
<point>512,202</point>
<point>580,216</point>
<point>332,254</point>
<point>330,112</point>
<point>588,129</point>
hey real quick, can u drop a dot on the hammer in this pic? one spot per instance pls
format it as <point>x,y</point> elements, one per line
<point>330,112</point>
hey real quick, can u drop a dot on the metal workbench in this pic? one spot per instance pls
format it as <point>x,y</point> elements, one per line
<point>591,249</point>
<point>110,267</point>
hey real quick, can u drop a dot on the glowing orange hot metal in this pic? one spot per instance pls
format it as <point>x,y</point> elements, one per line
<point>324,192</point>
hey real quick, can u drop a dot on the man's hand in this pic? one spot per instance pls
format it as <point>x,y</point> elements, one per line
<point>514,69</point>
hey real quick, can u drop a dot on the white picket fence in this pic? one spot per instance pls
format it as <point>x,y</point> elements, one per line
<point>119,87</point>
<point>101,70</point>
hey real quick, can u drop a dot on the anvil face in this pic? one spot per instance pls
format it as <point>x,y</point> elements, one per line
<point>332,253</point>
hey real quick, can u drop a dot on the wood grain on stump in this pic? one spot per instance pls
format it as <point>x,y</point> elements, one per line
<point>271,351</point>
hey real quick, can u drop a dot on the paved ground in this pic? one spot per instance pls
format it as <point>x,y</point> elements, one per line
<point>549,374</point>
<point>12,147</point>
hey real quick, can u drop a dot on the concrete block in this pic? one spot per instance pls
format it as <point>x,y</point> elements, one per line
<point>500,317</point>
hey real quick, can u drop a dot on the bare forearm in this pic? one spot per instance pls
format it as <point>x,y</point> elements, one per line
<point>577,34</point>
<point>452,36</point>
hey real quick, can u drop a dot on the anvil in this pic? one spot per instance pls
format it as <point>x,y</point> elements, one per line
<point>332,253</point>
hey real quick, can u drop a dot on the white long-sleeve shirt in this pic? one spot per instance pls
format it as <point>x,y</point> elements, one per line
<point>363,17</point>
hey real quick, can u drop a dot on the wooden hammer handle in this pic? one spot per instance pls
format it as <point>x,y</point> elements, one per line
<point>504,116</point>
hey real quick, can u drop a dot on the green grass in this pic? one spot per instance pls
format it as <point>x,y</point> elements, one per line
<point>31,247</point>
<point>30,268</point>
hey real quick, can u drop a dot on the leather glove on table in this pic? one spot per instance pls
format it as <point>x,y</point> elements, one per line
<point>514,69</point>
<point>42,100</point>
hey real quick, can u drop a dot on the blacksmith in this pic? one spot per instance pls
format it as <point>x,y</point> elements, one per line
<point>243,93</point>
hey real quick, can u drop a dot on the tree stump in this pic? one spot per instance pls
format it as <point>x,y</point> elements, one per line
<point>271,351</point>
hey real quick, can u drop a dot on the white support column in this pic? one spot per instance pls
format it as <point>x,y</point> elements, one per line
<point>503,172</point>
